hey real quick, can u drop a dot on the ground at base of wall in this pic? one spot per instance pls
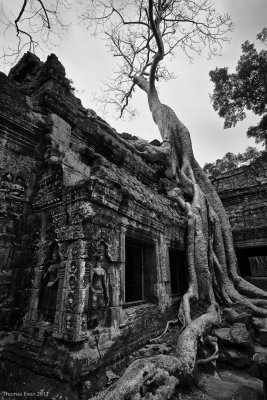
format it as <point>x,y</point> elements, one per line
<point>223,385</point>
<point>209,383</point>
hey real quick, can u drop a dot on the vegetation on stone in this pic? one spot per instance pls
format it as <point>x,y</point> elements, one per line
<point>231,161</point>
<point>88,198</point>
<point>245,89</point>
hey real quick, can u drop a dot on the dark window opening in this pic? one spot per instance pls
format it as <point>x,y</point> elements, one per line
<point>178,272</point>
<point>134,277</point>
<point>140,271</point>
<point>252,261</point>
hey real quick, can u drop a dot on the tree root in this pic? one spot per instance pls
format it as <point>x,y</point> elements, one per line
<point>157,377</point>
<point>258,302</point>
<point>171,322</point>
<point>215,355</point>
<point>248,289</point>
<point>211,261</point>
<point>154,377</point>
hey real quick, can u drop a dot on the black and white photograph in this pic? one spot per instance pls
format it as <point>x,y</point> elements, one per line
<point>133,200</point>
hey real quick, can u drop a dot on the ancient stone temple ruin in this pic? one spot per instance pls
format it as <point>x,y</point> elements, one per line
<point>92,253</point>
<point>243,192</point>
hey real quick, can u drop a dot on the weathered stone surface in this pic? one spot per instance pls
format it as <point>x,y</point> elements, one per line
<point>240,335</point>
<point>228,386</point>
<point>223,335</point>
<point>243,192</point>
<point>74,197</point>
<point>235,344</point>
<point>236,334</point>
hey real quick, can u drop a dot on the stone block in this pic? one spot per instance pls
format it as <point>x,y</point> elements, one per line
<point>223,335</point>
<point>240,336</point>
<point>230,385</point>
<point>115,316</point>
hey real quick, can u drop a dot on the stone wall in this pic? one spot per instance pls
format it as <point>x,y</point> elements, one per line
<point>74,193</point>
<point>19,165</point>
<point>244,196</point>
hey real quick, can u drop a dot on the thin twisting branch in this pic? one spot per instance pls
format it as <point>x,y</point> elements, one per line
<point>45,12</point>
<point>160,53</point>
<point>20,14</point>
<point>144,32</point>
<point>38,24</point>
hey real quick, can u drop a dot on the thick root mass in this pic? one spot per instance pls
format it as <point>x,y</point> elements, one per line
<point>152,378</point>
<point>211,264</point>
<point>156,378</point>
<point>212,277</point>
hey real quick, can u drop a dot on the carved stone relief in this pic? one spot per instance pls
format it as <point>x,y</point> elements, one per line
<point>49,285</point>
<point>17,176</point>
<point>99,286</point>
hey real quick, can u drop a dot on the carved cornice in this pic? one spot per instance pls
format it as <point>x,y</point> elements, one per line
<point>18,132</point>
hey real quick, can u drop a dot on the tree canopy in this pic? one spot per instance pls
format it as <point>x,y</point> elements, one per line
<point>231,161</point>
<point>245,89</point>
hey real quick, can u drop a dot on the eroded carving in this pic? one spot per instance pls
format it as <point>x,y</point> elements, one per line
<point>99,286</point>
<point>49,285</point>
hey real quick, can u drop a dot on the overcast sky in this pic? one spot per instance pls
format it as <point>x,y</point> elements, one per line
<point>87,63</point>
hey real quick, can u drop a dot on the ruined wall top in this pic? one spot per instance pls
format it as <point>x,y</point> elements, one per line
<point>43,119</point>
<point>243,192</point>
<point>245,177</point>
<point>40,87</point>
<point>68,182</point>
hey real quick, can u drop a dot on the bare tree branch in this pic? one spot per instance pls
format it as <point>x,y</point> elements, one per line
<point>143,33</point>
<point>37,24</point>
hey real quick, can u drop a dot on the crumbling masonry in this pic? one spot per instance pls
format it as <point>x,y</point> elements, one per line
<point>92,252</point>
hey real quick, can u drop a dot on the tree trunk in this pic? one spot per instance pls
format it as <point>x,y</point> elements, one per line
<point>211,263</point>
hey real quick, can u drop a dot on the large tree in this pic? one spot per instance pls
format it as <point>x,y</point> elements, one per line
<point>142,34</point>
<point>245,89</point>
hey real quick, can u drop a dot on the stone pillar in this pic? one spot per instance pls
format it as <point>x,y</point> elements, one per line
<point>71,316</point>
<point>122,266</point>
<point>116,277</point>
<point>162,252</point>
